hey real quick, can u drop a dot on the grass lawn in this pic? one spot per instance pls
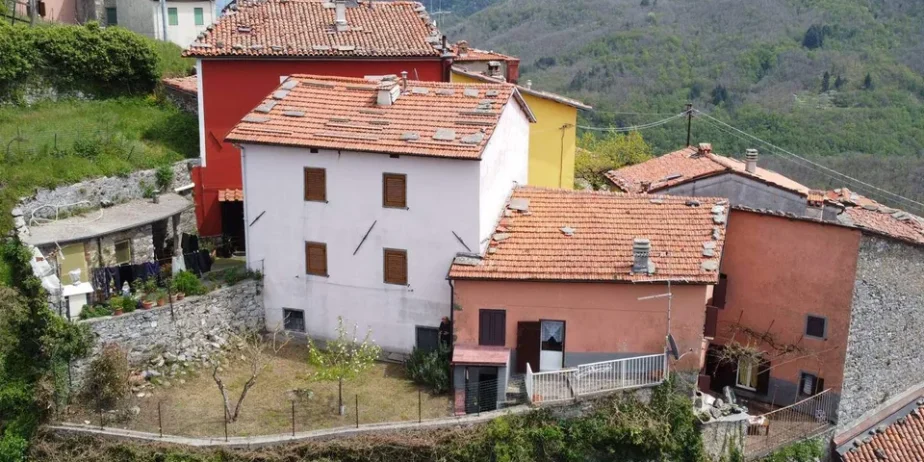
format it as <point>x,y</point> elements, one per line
<point>194,408</point>
<point>61,142</point>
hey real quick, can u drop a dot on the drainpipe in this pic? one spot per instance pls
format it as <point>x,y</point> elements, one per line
<point>247,249</point>
<point>163,13</point>
<point>452,331</point>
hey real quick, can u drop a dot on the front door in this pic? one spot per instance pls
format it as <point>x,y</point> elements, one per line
<point>552,346</point>
<point>527,346</point>
<point>481,389</point>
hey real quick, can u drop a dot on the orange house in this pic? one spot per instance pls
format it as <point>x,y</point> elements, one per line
<point>577,277</point>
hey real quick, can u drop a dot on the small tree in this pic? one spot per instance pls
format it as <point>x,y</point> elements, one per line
<point>107,379</point>
<point>344,359</point>
<point>826,82</point>
<point>868,82</point>
<point>257,352</point>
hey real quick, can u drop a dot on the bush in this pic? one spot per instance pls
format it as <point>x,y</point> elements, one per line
<point>187,283</point>
<point>164,177</point>
<point>95,311</point>
<point>430,368</point>
<point>107,378</point>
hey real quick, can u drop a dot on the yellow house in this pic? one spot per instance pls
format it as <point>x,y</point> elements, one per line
<point>551,138</point>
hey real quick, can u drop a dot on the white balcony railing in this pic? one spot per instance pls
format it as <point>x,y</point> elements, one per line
<point>588,379</point>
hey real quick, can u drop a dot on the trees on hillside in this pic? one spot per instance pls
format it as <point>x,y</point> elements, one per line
<point>598,154</point>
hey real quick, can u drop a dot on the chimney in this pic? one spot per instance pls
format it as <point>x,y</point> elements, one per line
<point>815,205</point>
<point>641,250</point>
<point>645,186</point>
<point>462,46</point>
<point>704,148</point>
<point>340,21</point>
<point>750,161</point>
<point>529,84</point>
<point>403,81</point>
<point>388,91</point>
<point>494,70</point>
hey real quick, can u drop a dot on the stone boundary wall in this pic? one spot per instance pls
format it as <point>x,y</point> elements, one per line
<point>110,189</point>
<point>200,329</point>
<point>884,354</point>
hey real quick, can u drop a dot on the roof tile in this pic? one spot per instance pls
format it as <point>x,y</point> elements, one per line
<point>603,226</point>
<point>902,441</point>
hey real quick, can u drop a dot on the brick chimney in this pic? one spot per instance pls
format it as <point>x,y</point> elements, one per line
<point>641,251</point>
<point>750,161</point>
<point>704,148</point>
<point>462,46</point>
<point>340,21</point>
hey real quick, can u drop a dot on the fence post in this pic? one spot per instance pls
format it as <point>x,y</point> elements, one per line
<point>293,418</point>
<point>99,406</point>
<point>357,411</point>
<point>160,421</point>
<point>226,425</point>
<point>419,406</point>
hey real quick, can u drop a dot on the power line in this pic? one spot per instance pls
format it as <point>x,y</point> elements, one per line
<point>634,128</point>
<point>845,176</point>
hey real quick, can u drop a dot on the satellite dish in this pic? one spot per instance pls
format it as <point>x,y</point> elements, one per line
<point>672,345</point>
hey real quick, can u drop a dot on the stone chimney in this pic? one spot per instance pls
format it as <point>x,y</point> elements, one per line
<point>704,148</point>
<point>494,70</point>
<point>462,46</point>
<point>641,251</point>
<point>340,21</point>
<point>388,91</point>
<point>815,205</point>
<point>750,161</point>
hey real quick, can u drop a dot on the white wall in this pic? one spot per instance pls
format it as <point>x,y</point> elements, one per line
<point>442,197</point>
<point>186,30</point>
<point>505,162</point>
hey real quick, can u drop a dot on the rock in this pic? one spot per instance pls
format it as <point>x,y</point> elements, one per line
<point>158,361</point>
<point>19,222</point>
<point>182,358</point>
<point>106,203</point>
<point>141,395</point>
<point>150,373</point>
<point>134,410</point>
<point>169,358</point>
<point>17,212</point>
<point>182,382</point>
<point>86,422</point>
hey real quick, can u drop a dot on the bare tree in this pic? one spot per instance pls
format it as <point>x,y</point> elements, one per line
<point>258,353</point>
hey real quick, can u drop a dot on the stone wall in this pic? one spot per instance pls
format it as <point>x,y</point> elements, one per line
<point>184,100</point>
<point>722,434</point>
<point>98,191</point>
<point>200,329</point>
<point>884,354</point>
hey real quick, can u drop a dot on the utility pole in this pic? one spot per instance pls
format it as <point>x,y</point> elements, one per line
<point>689,121</point>
<point>163,14</point>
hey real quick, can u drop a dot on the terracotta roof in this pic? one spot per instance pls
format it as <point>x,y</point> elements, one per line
<point>865,213</point>
<point>901,441</point>
<point>305,28</point>
<point>230,195</point>
<point>436,119</point>
<point>185,84</point>
<point>464,53</point>
<point>527,90</point>
<point>692,163</point>
<point>479,354</point>
<point>566,235</point>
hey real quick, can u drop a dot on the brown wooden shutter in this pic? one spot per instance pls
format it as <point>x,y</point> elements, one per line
<point>395,266</point>
<point>315,184</point>
<point>492,325</point>
<point>316,258</point>
<point>394,187</point>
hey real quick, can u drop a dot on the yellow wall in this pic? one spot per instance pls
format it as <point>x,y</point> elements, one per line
<point>74,258</point>
<point>551,159</point>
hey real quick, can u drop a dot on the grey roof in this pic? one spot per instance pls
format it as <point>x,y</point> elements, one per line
<point>107,221</point>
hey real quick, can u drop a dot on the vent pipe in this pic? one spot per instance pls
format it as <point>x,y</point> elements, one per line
<point>750,161</point>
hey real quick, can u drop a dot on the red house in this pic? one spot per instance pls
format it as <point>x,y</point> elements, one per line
<point>242,58</point>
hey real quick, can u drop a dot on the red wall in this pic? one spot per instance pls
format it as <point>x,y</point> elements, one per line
<point>232,88</point>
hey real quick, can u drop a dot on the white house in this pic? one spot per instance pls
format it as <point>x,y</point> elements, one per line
<point>186,19</point>
<point>359,193</point>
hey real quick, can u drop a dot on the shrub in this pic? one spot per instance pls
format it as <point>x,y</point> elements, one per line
<point>95,311</point>
<point>188,283</point>
<point>163,176</point>
<point>430,368</point>
<point>107,378</point>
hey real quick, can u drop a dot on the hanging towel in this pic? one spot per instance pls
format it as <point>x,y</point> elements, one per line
<point>179,264</point>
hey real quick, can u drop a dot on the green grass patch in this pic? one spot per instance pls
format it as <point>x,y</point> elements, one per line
<point>55,143</point>
<point>170,62</point>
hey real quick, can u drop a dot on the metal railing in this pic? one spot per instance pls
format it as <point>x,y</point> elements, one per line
<point>588,379</point>
<point>804,419</point>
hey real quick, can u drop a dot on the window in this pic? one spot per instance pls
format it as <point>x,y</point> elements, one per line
<point>200,20</point>
<point>394,192</point>
<point>816,327</point>
<point>492,327</point>
<point>316,258</point>
<point>552,336</point>
<point>747,373</point>
<point>112,18</point>
<point>428,338</point>
<point>718,295</point>
<point>293,320</point>
<point>315,184</point>
<point>173,18</point>
<point>123,252</point>
<point>396,266</point>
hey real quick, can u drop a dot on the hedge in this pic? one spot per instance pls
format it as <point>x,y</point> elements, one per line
<point>89,59</point>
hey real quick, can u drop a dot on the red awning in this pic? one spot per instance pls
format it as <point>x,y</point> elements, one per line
<point>480,355</point>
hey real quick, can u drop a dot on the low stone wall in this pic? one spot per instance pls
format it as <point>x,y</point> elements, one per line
<point>722,434</point>
<point>199,328</point>
<point>112,189</point>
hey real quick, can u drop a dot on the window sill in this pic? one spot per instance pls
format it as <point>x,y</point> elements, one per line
<point>395,284</point>
<point>318,275</point>
<point>319,202</point>
<point>395,207</point>
<point>754,390</point>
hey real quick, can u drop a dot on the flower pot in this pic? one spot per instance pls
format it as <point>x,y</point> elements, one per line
<point>117,312</point>
<point>174,297</point>
<point>180,295</point>
<point>161,301</point>
<point>146,304</point>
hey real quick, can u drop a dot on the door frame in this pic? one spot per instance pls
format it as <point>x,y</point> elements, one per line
<point>564,338</point>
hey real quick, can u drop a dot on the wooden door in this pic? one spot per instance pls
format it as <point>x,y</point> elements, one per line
<point>528,334</point>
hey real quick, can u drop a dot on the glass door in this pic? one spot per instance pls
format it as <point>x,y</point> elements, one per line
<point>552,345</point>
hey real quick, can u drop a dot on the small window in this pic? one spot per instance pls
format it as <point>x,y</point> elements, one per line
<point>492,327</point>
<point>293,320</point>
<point>123,252</point>
<point>396,266</point>
<point>315,184</point>
<point>552,336</point>
<point>810,384</point>
<point>200,19</point>
<point>428,338</point>
<point>173,18</point>
<point>112,18</point>
<point>816,327</point>
<point>747,373</point>
<point>316,258</point>
<point>394,187</point>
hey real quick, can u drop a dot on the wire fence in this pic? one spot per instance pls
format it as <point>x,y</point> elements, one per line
<point>804,419</point>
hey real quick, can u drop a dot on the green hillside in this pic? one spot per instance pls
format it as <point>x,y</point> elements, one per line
<point>839,81</point>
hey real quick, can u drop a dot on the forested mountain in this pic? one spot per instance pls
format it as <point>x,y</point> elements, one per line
<point>839,81</point>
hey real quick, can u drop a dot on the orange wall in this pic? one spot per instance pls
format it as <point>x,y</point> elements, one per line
<point>599,317</point>
<point>779,270</point>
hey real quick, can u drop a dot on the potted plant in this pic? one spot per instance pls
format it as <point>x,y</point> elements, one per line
<point>129,304</point>
<point>161,296</point>
<point>116,305</point>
